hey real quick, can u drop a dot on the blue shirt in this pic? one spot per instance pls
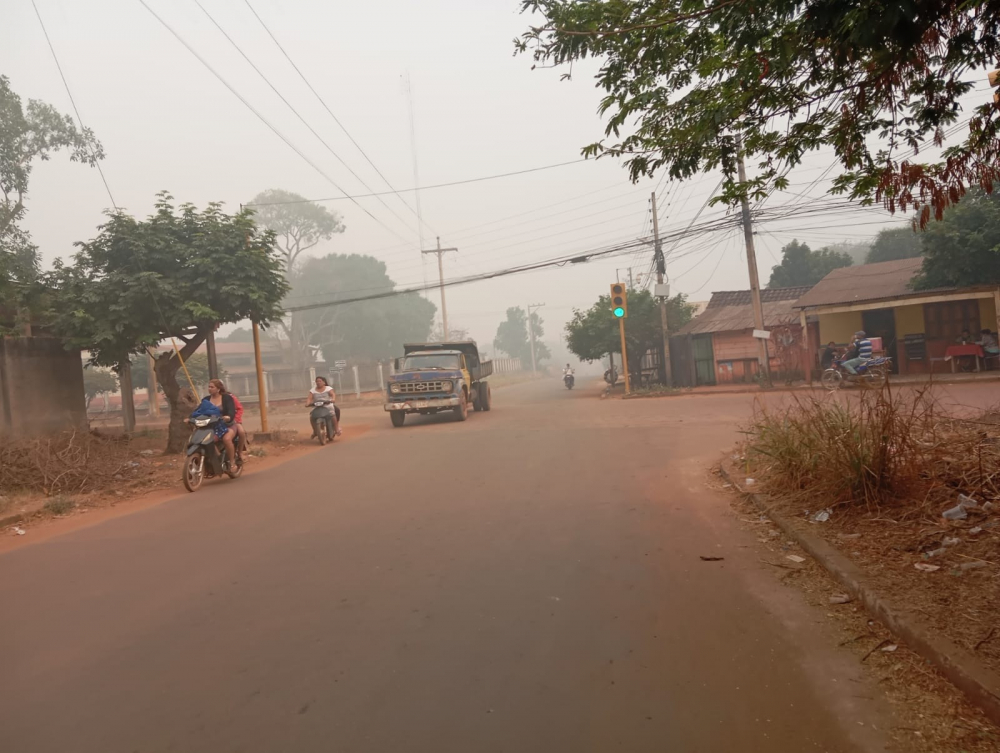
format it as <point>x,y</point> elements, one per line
<point>865,348</point>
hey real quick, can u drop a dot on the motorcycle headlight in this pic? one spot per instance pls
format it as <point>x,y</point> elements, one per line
<point>394,388</point>
<point>201,422</point>
<point>447,385</point>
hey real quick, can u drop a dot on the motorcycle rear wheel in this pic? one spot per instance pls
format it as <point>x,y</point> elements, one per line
<point>237,468</point>
<point>832,379</point>
<point>193,471</point>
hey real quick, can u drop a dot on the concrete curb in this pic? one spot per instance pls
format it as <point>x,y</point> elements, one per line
<point>963,670</point>
<point>11,520</point>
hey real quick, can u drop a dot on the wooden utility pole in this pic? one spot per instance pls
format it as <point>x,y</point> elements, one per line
<point>444,308</point>
<point>531,335</point>
<point>663,293</point>
<point>213,361</point>
<point>261,386</point>
<point>758,308</point>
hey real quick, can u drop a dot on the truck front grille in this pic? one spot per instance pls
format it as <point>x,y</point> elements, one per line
<point>411,388</point>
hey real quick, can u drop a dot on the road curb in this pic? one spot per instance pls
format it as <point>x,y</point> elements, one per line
<point>963,670</point>
<point>11,520</point>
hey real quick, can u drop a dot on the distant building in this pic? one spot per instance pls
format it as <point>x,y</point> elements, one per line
<point>718,346</point>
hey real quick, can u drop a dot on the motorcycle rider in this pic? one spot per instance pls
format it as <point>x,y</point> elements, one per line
<point>324,389</point>
<point>859,353</point>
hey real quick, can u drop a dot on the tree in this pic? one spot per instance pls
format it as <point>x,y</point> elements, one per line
<point>964,248</point>
<point>97,382</point>
<point>364,330</point>
<point>298,223</point>
<point>28,135</point>
<point>802,266</point>
<point>174,277</point>
<point>512,336</point>
<point>454,334</point>
<point>197,366</point>
<point>895,243</point>
<point>593,333</point>
<point>875,81</point>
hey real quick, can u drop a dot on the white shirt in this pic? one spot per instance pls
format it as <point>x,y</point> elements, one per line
<point>325,391</point>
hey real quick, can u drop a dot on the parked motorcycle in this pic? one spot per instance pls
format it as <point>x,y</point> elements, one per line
<point>321,418</point>
<point>873,373</point>
<point>569,380</point>
<point>611,376</point>
<point>206,455</point>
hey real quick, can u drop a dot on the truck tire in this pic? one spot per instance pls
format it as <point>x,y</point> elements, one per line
<point>397,417</point>
<point>477,404</point>
<point>485,397</point>
<point>462,411</point>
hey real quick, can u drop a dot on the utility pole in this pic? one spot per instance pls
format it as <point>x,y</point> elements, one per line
<point>444,308</point>
<point>663,291</point>
<point>261,383</point>
<point>531,335</point>
<point>758,308</point>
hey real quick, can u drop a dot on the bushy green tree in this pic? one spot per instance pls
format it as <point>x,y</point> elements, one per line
<point>963,249</point>
<point>800,265</point>
<point>512,336</point>
<point>173,276</point>
<point>594,333</point>
<point>873,81</point>
<point>894,243</point>
<point>367,330</point>
<point>97,381</point>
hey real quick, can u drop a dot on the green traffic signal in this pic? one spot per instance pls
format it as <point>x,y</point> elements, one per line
<point>619,312</point>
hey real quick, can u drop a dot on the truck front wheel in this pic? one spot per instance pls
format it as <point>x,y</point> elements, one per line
<point>462,411</point>
<point>397,417</point>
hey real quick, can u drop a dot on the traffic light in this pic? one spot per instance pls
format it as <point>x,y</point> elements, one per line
<point>619,300</point>
<point>994,78</point>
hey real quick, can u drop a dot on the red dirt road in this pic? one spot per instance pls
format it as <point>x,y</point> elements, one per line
<point>528,580</point>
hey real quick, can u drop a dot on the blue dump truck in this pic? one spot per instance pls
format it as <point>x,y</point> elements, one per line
<point>435,377</point>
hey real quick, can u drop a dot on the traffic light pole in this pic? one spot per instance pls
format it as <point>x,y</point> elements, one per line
<point>621,330</point>
<point>444,308</point>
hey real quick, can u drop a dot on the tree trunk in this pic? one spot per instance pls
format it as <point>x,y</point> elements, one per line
<point>181,399</point>
<point>128,395</point>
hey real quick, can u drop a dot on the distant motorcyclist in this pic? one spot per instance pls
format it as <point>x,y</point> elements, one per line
<point>859,352</point>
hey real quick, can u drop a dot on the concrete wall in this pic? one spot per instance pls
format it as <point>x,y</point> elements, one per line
<point>41,387</point>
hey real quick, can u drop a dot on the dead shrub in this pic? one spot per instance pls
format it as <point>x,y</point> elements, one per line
<point>71,462</point>
<point>882,448</point>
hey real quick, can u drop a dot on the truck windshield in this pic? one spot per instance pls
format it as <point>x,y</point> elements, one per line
<point>431,361</point>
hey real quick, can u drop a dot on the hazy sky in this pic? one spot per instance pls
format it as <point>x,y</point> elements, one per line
<point>168,123</point>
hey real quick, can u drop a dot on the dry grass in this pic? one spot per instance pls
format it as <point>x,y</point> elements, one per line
<point>67,463</point>
<point>884,450</point>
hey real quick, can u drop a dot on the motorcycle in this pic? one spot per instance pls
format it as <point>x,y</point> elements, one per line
<point>569,380</point>
<point>611,376</point>
<point>872,373</point>
<point>206,455</point>
<point>321,418</point>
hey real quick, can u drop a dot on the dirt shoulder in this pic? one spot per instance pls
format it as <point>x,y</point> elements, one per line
<point>120,476</point>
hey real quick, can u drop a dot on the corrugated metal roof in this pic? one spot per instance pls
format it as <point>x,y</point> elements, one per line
<point>866,282</point>
<point>732,311</point>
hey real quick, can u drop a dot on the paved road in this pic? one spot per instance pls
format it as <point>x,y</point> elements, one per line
<point>526,581</point>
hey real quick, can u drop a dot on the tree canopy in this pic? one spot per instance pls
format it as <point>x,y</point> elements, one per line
<point>364,330</point>
<point>800,265</point>
<point>593,333</point>
<point>964,248</point>
<point>97,381</point>
<point>175,275</point>
<point>28,135</point>
<point>876,82</point>
<point>298,224</point>
<point>512,336</point>
<point>894,243</point>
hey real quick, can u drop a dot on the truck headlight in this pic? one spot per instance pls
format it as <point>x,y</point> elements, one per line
<point>394,388</point>
<point>447,385</point>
